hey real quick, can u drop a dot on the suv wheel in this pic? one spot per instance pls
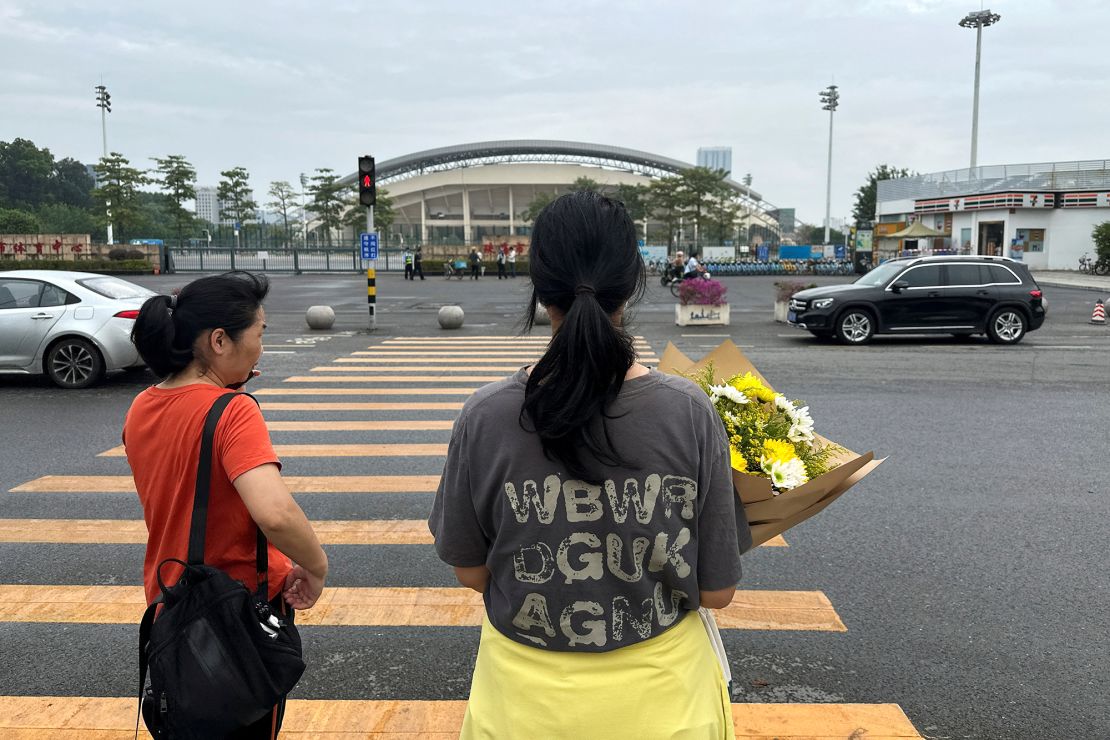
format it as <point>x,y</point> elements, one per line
<point>855,326</point>
<point>74,363</point>
<point>1007,326</point>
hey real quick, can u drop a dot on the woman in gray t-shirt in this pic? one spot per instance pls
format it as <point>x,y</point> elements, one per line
<point>604,517</point>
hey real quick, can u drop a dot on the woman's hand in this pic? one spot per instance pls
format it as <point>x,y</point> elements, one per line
<point>302,588</point>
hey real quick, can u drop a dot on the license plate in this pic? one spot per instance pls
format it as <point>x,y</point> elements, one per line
<point>792,316</point>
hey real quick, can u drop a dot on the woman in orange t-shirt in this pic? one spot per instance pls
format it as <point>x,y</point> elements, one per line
<point>205,342</point>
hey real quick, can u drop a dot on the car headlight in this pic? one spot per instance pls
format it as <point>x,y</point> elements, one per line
<point>823,302</point>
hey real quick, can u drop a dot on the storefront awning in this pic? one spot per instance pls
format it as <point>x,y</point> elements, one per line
<point>916,230</point>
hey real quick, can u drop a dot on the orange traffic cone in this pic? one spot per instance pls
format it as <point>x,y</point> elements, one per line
<point>1099,315</point>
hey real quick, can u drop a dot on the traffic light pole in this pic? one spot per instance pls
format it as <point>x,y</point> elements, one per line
<point>371,276</point>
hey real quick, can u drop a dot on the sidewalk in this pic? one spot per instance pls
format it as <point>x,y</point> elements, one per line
<point>1073,279</point>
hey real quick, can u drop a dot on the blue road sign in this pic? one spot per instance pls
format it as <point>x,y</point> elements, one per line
<point>840,251</point>
<point>369,244</point>
<point>763,252</point>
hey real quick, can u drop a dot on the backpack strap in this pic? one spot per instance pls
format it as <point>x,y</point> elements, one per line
<point>144,657</point>
<point>204,480</point>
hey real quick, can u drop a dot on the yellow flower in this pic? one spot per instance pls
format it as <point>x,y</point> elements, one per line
<point>750,386</point>
<point>777,450</point>
<point>736,458</point>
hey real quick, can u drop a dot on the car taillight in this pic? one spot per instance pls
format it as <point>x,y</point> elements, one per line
<point>130,314</point>
<point>1036,293</point>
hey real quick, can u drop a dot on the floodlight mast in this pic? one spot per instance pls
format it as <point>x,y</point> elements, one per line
<point>978,20</point>
<point>831,99</point>
<point>104,103</point>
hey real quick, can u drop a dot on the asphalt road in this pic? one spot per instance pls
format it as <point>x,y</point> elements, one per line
<point>969,569</point>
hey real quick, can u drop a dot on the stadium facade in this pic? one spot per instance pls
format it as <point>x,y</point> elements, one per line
<point>472,193</point>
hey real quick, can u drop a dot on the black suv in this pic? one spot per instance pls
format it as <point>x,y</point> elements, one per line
<point>995,296</point>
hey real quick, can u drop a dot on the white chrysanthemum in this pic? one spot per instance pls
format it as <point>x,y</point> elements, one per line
<point>801,430</point>
<point>782,403</point>
<point>787,475</point>
<point>732,394</point>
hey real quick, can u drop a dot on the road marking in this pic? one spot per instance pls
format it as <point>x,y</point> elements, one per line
<point>133,532</point>
<point>296,484</point>
<point>369,361</point>
<point>479,337</point>
<point>278,352</point>
<point>112,718</point>
<point>705,335</point>
<point>368,406</point>
<point>394,379</point>
<point>491,354</point>
<point>394,607</point>
<point>376,391</point>
<point>339,450</point>
<point>386,425</point>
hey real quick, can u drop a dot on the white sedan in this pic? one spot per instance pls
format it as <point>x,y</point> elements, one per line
<point>73,326</point>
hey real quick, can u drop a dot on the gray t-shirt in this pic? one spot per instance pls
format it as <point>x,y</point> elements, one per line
<point>583,567</point>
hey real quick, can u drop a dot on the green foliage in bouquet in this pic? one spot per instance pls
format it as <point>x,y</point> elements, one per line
<point>769,435</point>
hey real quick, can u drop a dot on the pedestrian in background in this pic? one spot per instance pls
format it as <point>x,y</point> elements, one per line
<point>407,257</point>
<point>512,261</point>
<point>204,343</point>
<point>501,257</point>
<point>475,264</point>
<point>598,537</point>
<point>418,263</point>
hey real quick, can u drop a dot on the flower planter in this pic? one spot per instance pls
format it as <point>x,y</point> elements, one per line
<point>781,309</point>
<point>701,315</point>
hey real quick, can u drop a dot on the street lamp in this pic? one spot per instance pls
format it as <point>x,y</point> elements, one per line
<point>831,98</point>
<point>977,20</point>
<point>104,103</point>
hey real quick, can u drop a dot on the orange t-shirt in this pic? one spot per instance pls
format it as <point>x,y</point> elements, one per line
<point>162,436</point>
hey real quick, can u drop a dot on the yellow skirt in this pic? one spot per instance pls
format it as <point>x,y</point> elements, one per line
<point>670,686</point>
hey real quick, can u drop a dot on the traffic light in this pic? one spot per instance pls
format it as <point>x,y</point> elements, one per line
<point>367,181</point>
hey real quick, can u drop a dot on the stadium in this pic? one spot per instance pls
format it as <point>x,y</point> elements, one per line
<point>475,193</point>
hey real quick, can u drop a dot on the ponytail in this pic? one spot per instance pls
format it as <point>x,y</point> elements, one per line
<point>168,327</point>
<point>584,262</point>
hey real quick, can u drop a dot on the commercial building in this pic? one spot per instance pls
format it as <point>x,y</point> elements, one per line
<point>209,206</point>
<point>1041,213</point>
<point>716,158</point>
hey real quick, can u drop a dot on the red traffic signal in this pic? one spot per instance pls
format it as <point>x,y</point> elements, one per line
<point>367,182</point>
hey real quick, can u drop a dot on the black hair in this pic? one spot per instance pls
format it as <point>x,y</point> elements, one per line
<point>168,326</point>
<point>584,261</point>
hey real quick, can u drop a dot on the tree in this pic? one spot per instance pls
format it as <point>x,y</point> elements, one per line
<point>665,202</point>
<point>586,184</point>
<point>537,204</point>
<point>14,221</point>
<point>701,188</point>
<point>118,191</point>
<point>25,174</point>
<point>1101,237</point>
<point>384,215</point>
<point>178,179</point>
<point>327,201</point>
<point>72,185</point>
<point>283,199</point>
<point>864,209</point>
<point>808,234</point>
<point>59,218</point>
<point>234,194</point>
<point>635,199</point>
<point>720,219</point>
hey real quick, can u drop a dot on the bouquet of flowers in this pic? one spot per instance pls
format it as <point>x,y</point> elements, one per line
<point>782,469</point>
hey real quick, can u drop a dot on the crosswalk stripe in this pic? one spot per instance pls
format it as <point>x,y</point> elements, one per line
<point>339,450</point>
<point>375,391</point>
<point>295,483</point>
<point>385,425</point>
<point>133,532</point>
<point>113,718</point>
<point>434,360</point>
<point>358,406</point>
<point>393,378</point>
<point>480,337</point>
<point>394,607</point>
<point>459,353</point>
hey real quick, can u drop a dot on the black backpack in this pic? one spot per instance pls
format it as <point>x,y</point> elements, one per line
<point>219,659</point>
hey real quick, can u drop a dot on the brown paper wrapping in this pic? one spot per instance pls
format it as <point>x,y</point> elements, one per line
<point>770,515</point>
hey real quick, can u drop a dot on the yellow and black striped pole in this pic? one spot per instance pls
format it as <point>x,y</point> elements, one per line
<point>372,294</point>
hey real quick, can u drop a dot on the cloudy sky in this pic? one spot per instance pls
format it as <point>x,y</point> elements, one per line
<point>284,87</point>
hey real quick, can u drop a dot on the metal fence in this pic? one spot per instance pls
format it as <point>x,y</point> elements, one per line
<point>296,261</point>
<point>998,178</point>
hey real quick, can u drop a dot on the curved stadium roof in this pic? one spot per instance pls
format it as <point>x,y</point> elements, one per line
<point>533,150</point>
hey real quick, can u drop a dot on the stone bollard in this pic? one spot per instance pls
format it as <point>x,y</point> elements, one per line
<point>450,317</point>
<point>541,317</point>
<point>319,317</point>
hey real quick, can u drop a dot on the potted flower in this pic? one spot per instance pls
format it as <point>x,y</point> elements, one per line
<point>701,302</point>
<point>784,291</point>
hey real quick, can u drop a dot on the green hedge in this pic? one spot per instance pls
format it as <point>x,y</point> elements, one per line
<point>435,267</point>
<point>124,267</point>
